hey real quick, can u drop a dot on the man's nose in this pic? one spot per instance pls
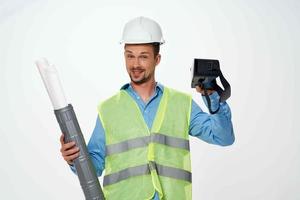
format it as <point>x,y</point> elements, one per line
<point>136,62</point>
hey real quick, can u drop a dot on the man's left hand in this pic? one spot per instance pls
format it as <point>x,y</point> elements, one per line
<point>201,90</point>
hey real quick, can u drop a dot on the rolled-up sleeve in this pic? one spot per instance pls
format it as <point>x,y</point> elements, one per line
<point>216,128</point>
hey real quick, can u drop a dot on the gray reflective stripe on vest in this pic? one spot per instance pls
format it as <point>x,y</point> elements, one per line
<point>171,172</point>
<point>127,145</point>
<point>144,141</point>
<point>126,173</point>
<point>170,141</point>
<point>145,169</point>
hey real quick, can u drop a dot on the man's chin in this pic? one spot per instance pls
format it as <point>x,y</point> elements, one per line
<point>138,82</point>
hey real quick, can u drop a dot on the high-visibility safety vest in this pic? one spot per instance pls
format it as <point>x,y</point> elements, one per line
<point>140,161</point>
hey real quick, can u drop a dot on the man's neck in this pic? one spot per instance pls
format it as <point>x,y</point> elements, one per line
<point>145,90</point>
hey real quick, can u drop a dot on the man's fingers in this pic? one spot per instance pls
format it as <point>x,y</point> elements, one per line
<point>67,146</point>
<point>69,159</point>
<point>64,145</point>
<point>70,151</point>
<point>199,89</point>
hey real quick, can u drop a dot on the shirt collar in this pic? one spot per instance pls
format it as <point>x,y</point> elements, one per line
<point>159,86</point>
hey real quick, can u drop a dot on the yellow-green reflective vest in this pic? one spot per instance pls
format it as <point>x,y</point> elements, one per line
<point>138,160</point>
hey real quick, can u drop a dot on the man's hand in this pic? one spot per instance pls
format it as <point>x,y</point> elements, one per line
<point>201,90</point>
<point>69,151</point>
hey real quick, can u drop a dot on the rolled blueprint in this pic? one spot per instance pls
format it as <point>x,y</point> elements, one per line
<point>69,126</point>
<point>51,81</point>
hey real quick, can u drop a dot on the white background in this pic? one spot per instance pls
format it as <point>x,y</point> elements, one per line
<point>257,43</point>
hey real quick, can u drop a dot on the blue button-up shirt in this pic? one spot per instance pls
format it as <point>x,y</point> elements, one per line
<point>215,129</point>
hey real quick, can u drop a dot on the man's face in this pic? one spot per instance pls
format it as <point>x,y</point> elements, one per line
<point>140,62</point>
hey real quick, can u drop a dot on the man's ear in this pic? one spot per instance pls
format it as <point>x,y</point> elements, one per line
<point>157,59</point>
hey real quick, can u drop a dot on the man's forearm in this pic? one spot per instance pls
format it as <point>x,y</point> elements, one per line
<point>216,128</point>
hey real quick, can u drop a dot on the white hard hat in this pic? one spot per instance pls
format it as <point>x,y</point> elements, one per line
<point>142,30</point>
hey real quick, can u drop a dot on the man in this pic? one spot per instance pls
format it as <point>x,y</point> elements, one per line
<point>141,137</point>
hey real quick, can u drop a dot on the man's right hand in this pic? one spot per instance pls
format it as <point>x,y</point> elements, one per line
<point>69,151</point>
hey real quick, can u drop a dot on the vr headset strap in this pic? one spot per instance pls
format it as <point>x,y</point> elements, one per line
<point>224,94</point>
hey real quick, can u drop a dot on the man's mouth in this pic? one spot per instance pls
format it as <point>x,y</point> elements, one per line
<point>137,71</point>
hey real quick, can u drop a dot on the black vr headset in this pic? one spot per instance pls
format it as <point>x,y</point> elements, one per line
<point>204,74</point>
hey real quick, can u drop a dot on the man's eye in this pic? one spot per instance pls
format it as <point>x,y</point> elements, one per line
<point>130,56</point>
<point>144,57</point>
